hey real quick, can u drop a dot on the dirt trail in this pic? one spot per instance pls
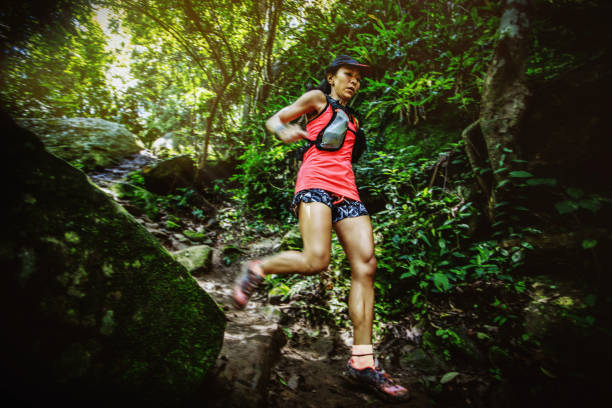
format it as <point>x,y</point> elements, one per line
<point>307,370</point>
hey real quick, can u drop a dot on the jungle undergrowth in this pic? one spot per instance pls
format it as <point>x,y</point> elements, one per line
<point>443,284</point>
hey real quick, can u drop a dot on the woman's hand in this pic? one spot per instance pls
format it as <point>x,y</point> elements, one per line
<point>311,101</point>
<point>290,134</point>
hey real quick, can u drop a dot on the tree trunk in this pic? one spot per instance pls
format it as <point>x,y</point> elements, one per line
<point>474,149</point>
<point>209,128</point>
<point>504,101</point>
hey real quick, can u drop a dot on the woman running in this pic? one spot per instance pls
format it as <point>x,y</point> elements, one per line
<point>326,196</point>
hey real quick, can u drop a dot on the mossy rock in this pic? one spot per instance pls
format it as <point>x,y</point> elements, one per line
<point>171,225</point>
<point>93,307</point>
<point>418,359</point>
<point>89,143</point>
<point>139,197</point>
<point>194,235</point>
<point>169,175</point>
<point>196,259</point>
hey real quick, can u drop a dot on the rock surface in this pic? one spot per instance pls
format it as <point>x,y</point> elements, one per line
<point>94,309</point>
<point>251,347</point>
<point>168,175</point>
<point>142,199</point>
<point>90,143</point>
<point>196,259</point>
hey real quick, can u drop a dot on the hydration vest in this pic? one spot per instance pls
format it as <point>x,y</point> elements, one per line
<point>332,135</point>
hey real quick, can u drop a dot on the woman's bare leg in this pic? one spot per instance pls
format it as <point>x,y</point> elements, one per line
<point>357,239</point>
<point>315,228</point>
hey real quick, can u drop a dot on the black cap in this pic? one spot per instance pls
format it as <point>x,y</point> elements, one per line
<point>346,60</point>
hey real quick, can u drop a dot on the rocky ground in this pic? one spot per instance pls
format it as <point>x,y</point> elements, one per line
<point>302,364</point>
<point>270,356</point>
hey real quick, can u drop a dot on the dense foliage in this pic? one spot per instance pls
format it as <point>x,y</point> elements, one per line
<point>210,73</point>
<point>51,77</point>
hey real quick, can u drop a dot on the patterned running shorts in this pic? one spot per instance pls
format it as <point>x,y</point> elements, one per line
<point>341,207</point>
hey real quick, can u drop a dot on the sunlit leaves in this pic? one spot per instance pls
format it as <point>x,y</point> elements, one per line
<point>61,78</point>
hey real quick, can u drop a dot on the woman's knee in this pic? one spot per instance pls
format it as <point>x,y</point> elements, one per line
<point>365,268</point>
<point>317,262</point>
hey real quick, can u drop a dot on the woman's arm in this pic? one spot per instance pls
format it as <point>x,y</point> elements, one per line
<point>311,101</point>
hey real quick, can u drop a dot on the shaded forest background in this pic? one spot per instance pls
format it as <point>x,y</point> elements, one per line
<point>496,249</point>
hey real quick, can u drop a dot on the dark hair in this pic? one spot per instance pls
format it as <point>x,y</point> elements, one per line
<point>325,86</point>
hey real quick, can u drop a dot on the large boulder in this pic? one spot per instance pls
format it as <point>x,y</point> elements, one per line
<point>168,175</point>
<point>94,311</point>
<point>140,198</point>
<point>217,170</point>
<point>88,143</point>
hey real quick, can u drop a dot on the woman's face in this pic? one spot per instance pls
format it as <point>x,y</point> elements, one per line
<point>345,82</point>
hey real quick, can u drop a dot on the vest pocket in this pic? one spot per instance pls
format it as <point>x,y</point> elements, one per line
<point>332,136</point>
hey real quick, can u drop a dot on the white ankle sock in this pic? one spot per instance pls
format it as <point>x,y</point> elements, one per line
<point>362,356</point>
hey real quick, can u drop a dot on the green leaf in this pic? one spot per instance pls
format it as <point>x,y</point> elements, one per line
<point>482,336</point>
<point>592,204</point>
<point>502,183</point>
<point>441,282</point>
<point>448,377</point>
<point>542,182</point>
<point>547,373</point>
<point>282,381</point>
<point>589,243</point>
<point>288,333</point>
<point>442,245</point>
<point>566,207</point>
<point>527,245</point>
<point>520,174</point>
<point>423,237</point>
<point>280,290</point>
<point>590,300</point>
<point>575,193</point>
<point>408,274</point>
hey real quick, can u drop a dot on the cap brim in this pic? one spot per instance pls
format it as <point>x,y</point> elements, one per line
<point>365,68</point>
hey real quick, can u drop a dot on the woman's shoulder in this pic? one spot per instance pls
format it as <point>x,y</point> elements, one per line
<point>315,100</point>
<point>315,95</point>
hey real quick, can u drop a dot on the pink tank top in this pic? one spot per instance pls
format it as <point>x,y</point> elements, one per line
<point>330,171</point>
